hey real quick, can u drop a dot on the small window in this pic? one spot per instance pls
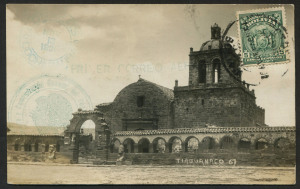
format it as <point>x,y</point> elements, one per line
<point>202,101</point>
<point>140,101</point>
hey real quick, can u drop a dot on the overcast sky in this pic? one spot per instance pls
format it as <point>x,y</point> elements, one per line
<point>108,46</point>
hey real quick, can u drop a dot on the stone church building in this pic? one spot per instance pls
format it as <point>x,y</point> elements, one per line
<point>214,96</point>
<point>215,113</point>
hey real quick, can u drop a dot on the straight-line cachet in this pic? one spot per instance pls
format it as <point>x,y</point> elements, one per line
<point>263,36</point>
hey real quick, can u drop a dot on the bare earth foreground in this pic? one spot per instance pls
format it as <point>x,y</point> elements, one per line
<point>38,173</point>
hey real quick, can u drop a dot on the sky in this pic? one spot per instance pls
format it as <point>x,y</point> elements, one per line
<point>100,49</point>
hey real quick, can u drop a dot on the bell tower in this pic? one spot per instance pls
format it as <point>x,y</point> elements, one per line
<point>207,67</point>
<point>215,94</point>
<point>215,32</point>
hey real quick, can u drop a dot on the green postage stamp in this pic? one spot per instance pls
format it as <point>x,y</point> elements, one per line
<point>263,36</point>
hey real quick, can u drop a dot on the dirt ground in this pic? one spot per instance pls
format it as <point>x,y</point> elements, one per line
<point>42,173</point>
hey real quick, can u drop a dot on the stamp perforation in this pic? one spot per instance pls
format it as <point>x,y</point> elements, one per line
<point>287,39</point>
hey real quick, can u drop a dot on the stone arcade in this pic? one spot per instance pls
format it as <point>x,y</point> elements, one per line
<point>214,114</point>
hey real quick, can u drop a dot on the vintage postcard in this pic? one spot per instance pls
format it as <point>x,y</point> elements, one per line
<point>150,94</point>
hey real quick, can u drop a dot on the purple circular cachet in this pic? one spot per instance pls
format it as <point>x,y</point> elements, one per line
<point>47,101</point>
<point>49,41</point>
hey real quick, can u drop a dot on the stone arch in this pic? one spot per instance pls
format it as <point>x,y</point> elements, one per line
<point>159,145</point>
<point>244,144</point>
<point>102,132</point>
<point>115,144</point>
<point>175,144</point>
<point>282,144</point>
<point>261,144</point>
<point>143,145</point>
<point>208,143</point>
<point>128,144</point>
<point>89,127</point>
<point>227,142</point>
<point>191,144</point>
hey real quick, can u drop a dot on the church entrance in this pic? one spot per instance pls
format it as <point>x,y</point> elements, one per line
<point>139,124</point>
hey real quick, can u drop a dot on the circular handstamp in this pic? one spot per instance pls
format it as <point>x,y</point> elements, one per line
<point>47,101</point>
<point>49,41</point>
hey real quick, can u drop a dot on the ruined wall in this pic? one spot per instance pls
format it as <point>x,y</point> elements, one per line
<point>33,143</point>
<point>251,114</point>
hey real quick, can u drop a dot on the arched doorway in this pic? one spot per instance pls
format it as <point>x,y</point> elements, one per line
<point>207,144</point>
<point>87,144</point>
<point>175,145</point>
<point>27,146</point>
<point>143,145</point>
<point>191,145</point>
<point>227,143</point>
<point>17,147</point>
<point>46,147</point>
<point>159,145</point>
<point>36,146</point>
<point>88,130</point>
<point>115,146</point>
<point>261,144</point>
<point>282,144</point>
<point>128,145</point>
<point>244,145</point>
<point>57,146</point>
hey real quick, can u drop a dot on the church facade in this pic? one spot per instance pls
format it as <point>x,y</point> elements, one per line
<point>215,95</point>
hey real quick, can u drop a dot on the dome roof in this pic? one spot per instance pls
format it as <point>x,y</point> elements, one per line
<point>168,93</point>
<point>214,44</point>
<point>211,45</point>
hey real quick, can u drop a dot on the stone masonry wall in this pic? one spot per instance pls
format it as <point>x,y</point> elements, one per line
<point>157,105</point>
<point>217,106</point>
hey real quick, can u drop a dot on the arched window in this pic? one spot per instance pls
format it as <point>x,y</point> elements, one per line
<point>208,143</point>
<point>216,70</point>
<point>202,72</point>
